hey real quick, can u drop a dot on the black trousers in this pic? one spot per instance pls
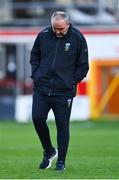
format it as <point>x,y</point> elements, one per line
<point>61,106</point>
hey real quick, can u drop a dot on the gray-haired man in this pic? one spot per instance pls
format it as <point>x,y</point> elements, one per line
<point>59,60</point>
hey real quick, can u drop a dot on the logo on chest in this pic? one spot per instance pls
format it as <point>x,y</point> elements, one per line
<point>67,46</point>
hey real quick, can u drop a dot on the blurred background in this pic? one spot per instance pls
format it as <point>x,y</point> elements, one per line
<point>21,21</point>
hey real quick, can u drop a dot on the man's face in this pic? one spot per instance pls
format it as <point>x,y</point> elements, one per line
<point>60,27</point>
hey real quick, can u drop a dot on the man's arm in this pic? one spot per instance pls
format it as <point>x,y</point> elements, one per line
<point>35,56</point>
<point>82,65</point>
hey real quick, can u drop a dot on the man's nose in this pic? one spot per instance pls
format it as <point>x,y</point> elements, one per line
<point>57,31</point>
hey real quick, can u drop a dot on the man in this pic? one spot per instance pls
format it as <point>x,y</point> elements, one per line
<point>59,60</point>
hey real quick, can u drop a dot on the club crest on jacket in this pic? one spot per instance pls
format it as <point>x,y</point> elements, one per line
<point>67,46</point>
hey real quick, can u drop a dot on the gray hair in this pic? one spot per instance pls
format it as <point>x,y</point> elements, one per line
<point>61,14</point>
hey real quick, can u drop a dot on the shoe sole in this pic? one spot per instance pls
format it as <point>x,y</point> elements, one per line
<point>52,159</point>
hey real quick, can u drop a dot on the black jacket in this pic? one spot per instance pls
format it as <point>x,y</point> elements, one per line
<point>58,64</point>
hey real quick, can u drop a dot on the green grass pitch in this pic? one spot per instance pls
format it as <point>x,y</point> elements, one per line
<point>93,151</point>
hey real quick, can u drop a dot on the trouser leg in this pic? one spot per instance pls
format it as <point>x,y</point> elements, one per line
<point>40,109</point>
<point>62,110</point>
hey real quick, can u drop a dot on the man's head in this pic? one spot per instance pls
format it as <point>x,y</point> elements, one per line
<point>60,23</point>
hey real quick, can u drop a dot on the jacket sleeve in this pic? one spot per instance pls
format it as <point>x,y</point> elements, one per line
<point>35,56</point>
<point>82,64</point>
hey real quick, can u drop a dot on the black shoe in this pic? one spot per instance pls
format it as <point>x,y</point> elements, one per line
<point>47,159</point>
<point>60,166</point>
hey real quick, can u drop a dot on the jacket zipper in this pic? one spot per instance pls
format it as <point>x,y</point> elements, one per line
<point>53,64</point>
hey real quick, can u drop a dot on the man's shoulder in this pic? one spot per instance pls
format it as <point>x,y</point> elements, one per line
<point>77,32</point>
<point>45,31</point>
